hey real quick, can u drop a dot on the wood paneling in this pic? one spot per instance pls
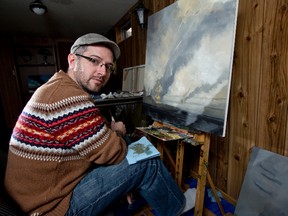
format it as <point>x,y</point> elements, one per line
<point>244,100</point>
<point>10,94</point>
<point>272,119</point>
<point>62,51</point>
<point>218,161</point>
<point>258,97</point>
<point>136,44</point>
<point>258,103</point>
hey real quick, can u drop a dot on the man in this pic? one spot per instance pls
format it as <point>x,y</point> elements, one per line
<point>65,160</point>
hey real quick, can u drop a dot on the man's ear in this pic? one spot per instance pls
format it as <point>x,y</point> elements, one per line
<point>71,60</point>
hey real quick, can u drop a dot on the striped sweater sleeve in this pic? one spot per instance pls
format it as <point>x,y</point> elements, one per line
<point>69,129</point>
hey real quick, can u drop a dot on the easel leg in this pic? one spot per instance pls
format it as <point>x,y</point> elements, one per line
<point>160,148</point>
<point>215,193</point>
<point>179,163</point>
<point>202,172</point>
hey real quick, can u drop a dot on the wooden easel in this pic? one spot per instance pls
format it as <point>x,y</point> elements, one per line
<point>202,139</point>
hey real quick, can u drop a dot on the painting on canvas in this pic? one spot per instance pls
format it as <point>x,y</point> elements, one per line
<point>188,68</point>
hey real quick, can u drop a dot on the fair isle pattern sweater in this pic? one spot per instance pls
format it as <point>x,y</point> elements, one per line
<point>57,138</point>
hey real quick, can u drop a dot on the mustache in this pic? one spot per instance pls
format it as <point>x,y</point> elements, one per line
<point>101,78</point>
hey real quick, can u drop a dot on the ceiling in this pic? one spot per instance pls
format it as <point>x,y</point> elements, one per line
<point>65,18</point>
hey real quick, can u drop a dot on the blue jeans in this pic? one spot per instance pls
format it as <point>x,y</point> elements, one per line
<point>105,184</point>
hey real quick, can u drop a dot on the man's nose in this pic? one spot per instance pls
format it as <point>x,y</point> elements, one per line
<point>102,69</point>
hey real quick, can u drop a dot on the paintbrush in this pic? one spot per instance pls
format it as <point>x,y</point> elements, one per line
<point>112,118</point>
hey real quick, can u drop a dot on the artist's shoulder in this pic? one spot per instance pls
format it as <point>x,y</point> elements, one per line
<point>60,88</point>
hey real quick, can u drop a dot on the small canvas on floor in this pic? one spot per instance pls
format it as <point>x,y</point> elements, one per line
<point>265,187</point>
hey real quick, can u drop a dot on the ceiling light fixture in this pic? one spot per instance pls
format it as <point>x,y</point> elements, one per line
<point>38,7</point>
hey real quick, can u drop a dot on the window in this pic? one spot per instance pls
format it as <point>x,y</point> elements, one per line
<point>126,30</point>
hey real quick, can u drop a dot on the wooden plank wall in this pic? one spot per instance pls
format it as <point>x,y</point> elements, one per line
<point>258,97</point>
<point>258,102</point>
<point>133,49</point>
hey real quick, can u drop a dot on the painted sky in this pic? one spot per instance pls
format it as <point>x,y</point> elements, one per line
<point>189,56</point>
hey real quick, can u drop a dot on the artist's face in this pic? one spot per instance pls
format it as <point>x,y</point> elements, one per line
<point>91,76</point>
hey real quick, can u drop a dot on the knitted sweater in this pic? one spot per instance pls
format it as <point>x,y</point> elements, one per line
<point>59,135</point>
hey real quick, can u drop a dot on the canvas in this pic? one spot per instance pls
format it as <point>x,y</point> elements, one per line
<point>189,55</point>
<point>265,186</point>
<point>140,150</point>
<point>133,78</point>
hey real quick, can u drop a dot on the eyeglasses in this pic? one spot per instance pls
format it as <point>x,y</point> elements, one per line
<point>110,67</point>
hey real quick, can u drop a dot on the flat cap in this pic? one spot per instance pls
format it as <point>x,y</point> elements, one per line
<point>93,38</point>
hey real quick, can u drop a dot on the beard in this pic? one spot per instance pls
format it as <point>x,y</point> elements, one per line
<point>88,90</point>
<point>84,82</point>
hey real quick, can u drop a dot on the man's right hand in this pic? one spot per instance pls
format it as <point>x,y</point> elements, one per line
<point>118,126</point>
